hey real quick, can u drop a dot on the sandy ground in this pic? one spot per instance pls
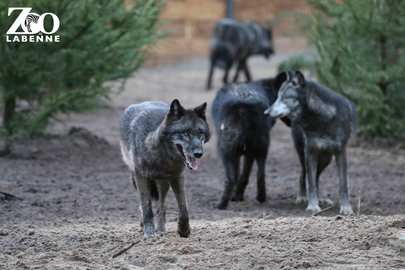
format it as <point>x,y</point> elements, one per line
<point>78,207</point>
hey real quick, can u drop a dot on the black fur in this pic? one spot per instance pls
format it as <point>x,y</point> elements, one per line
<point>233,43</point>
<point>243,131</point>
<point>322,122</point>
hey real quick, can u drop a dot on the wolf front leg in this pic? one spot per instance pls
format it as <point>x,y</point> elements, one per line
<point>301,194</point>
<point>341,163</point>
<point>163,187</point>
<point>210,74</point>
<point>244,179</point>
<point>311,164</point>
<point>299,147</point>
<point>183,227</point>
<point>146,205</point>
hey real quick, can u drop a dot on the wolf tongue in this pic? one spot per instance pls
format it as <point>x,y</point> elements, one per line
<point>193,163</point>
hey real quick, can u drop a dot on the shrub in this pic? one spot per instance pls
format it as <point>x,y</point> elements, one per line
<point>100,41</point>
<point>360,47</point>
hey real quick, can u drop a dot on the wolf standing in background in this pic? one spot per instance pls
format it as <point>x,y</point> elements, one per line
<point>243,130</point>
<point>157,140</point>
<point>233,43</point>
<point>322,122</point>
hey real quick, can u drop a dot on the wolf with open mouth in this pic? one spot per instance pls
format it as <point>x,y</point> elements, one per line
<point>157,141</point>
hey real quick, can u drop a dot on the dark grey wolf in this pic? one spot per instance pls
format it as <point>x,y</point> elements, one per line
<point>321,122</point>
<point>157,140</point>
<point>243,130</point>
<point>233,43</point>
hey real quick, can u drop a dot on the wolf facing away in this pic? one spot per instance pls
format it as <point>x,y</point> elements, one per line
<point>234,42</point>
<point>243,131</point>
<point>157,141</point>
<point>322,122</point>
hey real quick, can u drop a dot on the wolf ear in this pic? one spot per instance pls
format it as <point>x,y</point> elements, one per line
<point>279,80</point>
<point>176,110</point>
<point>300,77</point>
<point>200,110</point>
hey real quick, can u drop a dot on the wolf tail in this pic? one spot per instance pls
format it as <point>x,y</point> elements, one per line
<point>244,112</point>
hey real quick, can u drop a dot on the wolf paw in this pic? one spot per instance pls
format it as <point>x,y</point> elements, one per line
<point>184,229</point>
<point>346,210</point>
<point>261,197</point>
<point>148,231</point>
<point>222,205</point>
<point>313,208</point>
<point>237,198</point>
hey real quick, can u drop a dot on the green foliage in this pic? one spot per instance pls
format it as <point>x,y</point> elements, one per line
<point>360,48</point>
<point>298,62</point>
<point>101,40</point>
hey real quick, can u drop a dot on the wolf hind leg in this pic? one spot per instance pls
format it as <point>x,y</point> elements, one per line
<point>231,164</point>
<point>228,67</point>
<point>245,67</point>
<point>324,160</point>
<point>244,179</point>
<point>341,164</point>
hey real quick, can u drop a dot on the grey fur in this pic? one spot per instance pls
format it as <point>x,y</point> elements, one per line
<point>322,123</point>
<point>157,141</point>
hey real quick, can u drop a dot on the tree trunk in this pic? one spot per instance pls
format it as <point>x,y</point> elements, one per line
<point>8,114</point>
<point>383,84</point>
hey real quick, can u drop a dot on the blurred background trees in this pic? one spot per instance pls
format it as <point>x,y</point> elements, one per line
<point>101,40</point>
<point>360,53</point>
<point>358,45</point>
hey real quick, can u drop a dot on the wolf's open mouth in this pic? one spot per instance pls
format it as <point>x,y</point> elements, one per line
<point>191,162</point>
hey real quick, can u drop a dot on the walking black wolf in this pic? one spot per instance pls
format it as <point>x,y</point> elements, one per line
<point>157,140</point>
<point>233,43</point>
<point>243,130</point>
<point>322,122</point>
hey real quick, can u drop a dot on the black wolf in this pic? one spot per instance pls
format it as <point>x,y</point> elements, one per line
<point>233,43</point>
<point>322,122</point>
<point>243,130</point>
<point>157,140</point>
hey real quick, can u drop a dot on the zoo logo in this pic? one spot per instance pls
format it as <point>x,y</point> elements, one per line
<point>31,24</point>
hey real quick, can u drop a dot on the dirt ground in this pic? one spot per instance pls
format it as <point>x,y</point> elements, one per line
<point>78,207</point>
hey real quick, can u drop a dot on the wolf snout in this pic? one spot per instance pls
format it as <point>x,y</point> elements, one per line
<point>277,110</point>
<point>198,154</point>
